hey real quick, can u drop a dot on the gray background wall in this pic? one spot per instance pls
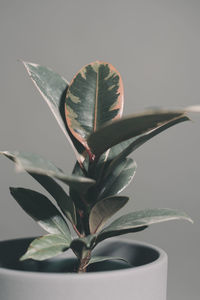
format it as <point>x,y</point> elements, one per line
<point>155,45</point>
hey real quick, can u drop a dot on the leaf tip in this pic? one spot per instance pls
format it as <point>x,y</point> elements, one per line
<point>12,190</point>
<point>23,257</point>
<point>192,108</point>
<point>190,220</point>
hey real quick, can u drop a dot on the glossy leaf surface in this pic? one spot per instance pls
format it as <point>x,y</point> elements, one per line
<point>53,89</point>
<point>121,151</point>
<point>118,178</point>
<point>141,219</point>
<point>94,97</point>
<point>46,247</point>
<point>103,210</point>
<point>128,146</point>
<point>40,208</point>
<point>39,165</point>
<point>127,128</point>
<point>81,244</point>
<point>57,192</point>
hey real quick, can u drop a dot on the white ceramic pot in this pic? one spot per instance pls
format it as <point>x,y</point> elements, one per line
<point>146,280</point>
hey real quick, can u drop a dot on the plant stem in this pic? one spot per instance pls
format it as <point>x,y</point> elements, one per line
<point>77,232</point>
<point>84,260</point>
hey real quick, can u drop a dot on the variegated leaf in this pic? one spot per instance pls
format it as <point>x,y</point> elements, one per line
<point>103,210</point>
<point>94,97</point>
<point>53,89</point>
<point>46,247</point>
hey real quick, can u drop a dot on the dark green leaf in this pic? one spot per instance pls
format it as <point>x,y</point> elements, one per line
<point>53,89</point>
<point>118,152</point>
<point>118,178</point>
<point>140,219</point>
<point>131,145</point>
<point>114,155</point>
<point>41,210</point>
<point>94,97</point>
<point>97,259</point>
<point>57,192</point>
<point>77,245</point>
<point>46,247</point>
<point>103,210</point>
<point>38,165</point>
<point>108,234</point>
<point>127,128</point>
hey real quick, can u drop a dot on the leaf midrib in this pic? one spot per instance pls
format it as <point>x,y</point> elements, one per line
<point>96,101</point>
<point>62,231</point>
<point>47,248</point>
<point>143,223</point>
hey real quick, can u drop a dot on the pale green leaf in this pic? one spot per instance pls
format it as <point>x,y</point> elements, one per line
<point>46,247</point>
<point>140,220</point>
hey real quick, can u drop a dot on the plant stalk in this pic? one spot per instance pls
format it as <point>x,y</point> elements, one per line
<point>84,260</point>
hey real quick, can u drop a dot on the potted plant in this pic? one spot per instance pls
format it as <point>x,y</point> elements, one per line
<point>89,112</point>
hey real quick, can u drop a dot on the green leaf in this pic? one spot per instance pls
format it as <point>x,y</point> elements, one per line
<point>40,208</point>
<point>118,178</point>
<point>94,97</point>
<point>38,165</point>
<point>125,148</point>
<point>86,243</point>
<point>103,210</point>
<point>127,128</point>
<point>140,219</point>
<point>57,192</point>
<point>46,247</point>
<point>53,89</point>
<point>97,259</point>
<point>119,152</point>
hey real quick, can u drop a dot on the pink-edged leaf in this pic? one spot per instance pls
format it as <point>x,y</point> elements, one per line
<point>95,96</point>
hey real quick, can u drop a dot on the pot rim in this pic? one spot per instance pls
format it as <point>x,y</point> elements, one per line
<point>162,258</point>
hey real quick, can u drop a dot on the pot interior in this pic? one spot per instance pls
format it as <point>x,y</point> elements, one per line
<point>134,253</point>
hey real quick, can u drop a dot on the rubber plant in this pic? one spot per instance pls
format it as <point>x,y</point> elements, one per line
<point>89,112</point>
